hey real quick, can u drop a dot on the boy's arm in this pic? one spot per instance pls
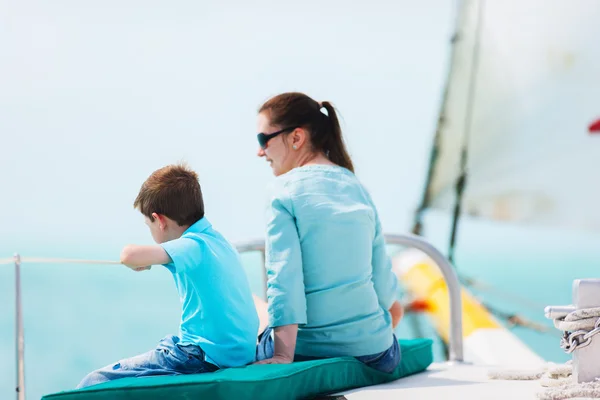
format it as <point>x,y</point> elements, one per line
<point>140,258</point>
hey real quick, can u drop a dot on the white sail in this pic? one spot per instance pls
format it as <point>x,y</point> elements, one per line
<point>531,157</point>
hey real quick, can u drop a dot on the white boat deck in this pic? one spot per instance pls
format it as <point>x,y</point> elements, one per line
<point>449,381</point>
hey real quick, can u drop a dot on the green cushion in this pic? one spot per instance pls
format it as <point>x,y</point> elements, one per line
<point>294,381</point>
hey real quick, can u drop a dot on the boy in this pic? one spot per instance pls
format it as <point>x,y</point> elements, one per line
<point>219,324</point>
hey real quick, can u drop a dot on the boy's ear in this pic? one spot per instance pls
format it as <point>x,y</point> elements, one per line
<point>162,222</point>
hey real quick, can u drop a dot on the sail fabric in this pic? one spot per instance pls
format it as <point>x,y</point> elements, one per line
<point>532,155</point>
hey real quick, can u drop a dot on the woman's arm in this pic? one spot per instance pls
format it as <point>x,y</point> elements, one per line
<point>285,285</point>
<point>384,279</point>
<point>285,345</point>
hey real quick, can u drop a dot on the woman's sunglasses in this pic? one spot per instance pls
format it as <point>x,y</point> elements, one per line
<point>263,138</point>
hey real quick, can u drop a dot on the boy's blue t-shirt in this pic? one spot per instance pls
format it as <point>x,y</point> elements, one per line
<point>218,311</point>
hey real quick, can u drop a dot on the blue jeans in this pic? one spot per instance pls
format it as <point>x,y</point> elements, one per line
<point>169,358</point>
<point>386,361</point>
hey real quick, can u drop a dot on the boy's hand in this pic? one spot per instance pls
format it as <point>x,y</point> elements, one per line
<point>138,269</point>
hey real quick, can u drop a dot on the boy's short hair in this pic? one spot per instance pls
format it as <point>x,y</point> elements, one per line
<point>173,191</point>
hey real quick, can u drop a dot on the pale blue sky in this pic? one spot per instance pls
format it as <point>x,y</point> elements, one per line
<point>97,95</point>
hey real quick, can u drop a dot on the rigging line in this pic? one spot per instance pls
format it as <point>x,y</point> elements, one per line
<point>462,179</point>
<point>426,196</point>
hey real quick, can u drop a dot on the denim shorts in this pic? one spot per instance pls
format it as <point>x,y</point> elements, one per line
<point>168,358</point>
<point>386,361</point>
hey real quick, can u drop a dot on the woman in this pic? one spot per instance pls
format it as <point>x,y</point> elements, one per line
<point>331,290</point>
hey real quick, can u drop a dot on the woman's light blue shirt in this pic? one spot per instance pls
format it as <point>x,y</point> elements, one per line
<point>326,262</point>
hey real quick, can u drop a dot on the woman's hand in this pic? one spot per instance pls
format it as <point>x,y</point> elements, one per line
<point>397,313</point>
<point>284,343</point>
<point>276,360</point>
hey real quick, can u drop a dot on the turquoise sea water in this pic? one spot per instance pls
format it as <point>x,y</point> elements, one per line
<point>81,317</point>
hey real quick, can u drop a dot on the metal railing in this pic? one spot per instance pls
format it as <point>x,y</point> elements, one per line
<point>455,345</point>
<point>20,339</point>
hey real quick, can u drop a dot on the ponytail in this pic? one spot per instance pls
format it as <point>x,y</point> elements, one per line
<point>334,145</point>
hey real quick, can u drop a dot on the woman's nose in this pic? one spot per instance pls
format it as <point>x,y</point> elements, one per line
<point>261,152</point>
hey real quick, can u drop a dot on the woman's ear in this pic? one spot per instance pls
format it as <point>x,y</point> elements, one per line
<point>298,138</point>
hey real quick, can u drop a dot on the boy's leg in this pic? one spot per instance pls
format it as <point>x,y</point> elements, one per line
<point>168,358</point>
<point>126,368</point>
<point>266,346</point>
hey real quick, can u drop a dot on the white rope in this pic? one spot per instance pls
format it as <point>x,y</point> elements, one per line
<point>556,378</point>
<point>43,260</point>
<point>547,370</point>
<point>583,319</point>
<point>66,261</point>
<point>588,390</point>
<point>517,375</point>
<point>579,327</point>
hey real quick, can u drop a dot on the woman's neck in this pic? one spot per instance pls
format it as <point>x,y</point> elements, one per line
<point>313,159</point>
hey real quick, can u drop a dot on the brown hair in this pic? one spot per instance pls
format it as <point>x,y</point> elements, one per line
<point>293,109</point>
<point>173,191</point>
